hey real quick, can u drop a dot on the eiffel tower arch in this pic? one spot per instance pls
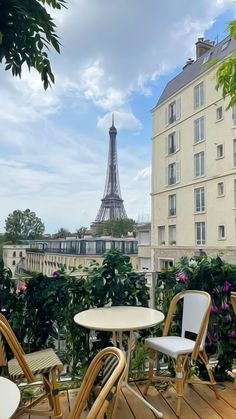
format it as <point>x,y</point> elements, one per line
<point>112,206</point>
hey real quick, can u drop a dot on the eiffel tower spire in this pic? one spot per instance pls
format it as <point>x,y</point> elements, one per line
<point>112,206</point>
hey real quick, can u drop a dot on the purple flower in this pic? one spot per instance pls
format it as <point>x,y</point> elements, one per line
<point>233,334</point>
<point>182,277</point>
<point>56,274</point>
<point>214,309</point>
<point>226,287</point>
<point>215,291</point>
<point>224,306</point>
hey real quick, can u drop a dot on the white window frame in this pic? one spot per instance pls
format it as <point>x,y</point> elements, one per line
<point>172,143</point>
<point>199,199</point>
<point>161,235</point>
<point>234,114</point>
<point>221,232</point>
<point>199,130</point>
<point>173,173</point>
<point>219,113</point>
<point>173,111</point>
<point>200,233</point>
<point>165,263</point>
<point>234,152</point>
<point>199,164</point>
<point>220,189</point>
<point>172,234</point>
<point>199,95</point>
<point>220,151</point>
<point>172,205</point>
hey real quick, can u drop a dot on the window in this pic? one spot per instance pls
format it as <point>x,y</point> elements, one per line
<point>207,58</point>
<point>172,143</point>
<point>173,174</point>
<point>199,198</point>
<point>13,263</point>
<point>145,264</point>
<point>221,232</point>
<point>198,95</point>
<point>199,130</point>
<point>234,193</point>
<point>199,166</point>
<point>161,235</point>
<point>172,205</point>
<point>90,248</point>
<point>219,113</point>
<point>14,254</point>
<point>144,237</point>
<point>173,111</point>
<point>166,263</point>
<point>172,235</point>
<point>234,152</point>
<point>220,189</point>
<point>200,233</point>
<point>220,151</point>
<point>234,114</point>
<point>20,254</point>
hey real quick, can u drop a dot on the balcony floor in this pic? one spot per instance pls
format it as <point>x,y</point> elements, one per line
<point>199,402</point>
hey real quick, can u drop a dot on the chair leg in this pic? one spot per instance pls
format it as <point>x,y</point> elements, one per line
<point>210,373</point>
<point>152,357</point>
<point>179,371</point>
<point>55,395</point>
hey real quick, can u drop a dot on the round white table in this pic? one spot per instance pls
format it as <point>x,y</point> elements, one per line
<point>9,398</point>
<point>120,319</point>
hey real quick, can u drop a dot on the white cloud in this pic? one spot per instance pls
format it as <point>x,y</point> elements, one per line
<point>143,174</point>
<point>125,120</point>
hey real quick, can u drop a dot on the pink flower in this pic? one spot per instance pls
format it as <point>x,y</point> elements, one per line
<point>22,287</point>
<point>214,309</point>
<point>224,306</point>
<point>233,334</point>
<point>182,277</point>
<point>226,287</point>
<point>56,274</point>
<point>215,291</point>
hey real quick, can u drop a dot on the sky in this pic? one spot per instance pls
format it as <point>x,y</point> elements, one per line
<point>116,57</point>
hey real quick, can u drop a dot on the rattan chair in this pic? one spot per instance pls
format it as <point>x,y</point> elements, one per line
<point>186,348</point>
<point>28,367</point>
<point>109,367</point>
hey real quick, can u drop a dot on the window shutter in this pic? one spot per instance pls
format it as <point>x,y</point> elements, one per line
<point>202,128</point>
<point>166,145</point>
<point>166,117</point>
<point>178,108</point>
<point>177,139</point>
<point>177,171</point>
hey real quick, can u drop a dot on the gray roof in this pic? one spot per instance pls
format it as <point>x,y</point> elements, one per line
<point>196,69</point>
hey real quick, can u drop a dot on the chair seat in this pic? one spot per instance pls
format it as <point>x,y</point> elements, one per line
<point>39,362</point>
<point>171,345</point>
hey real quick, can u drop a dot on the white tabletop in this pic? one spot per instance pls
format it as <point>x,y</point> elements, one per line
<point>119,318</point>
<point>9,398</point>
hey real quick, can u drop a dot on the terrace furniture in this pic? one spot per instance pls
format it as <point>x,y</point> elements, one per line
<point>233,301</point>
<point>28,366</point>
<point>110,365</point>
<point>120,319</point>
<point>9,398</point>
<point>186,348</point>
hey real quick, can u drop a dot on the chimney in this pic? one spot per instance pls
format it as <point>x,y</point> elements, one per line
<point>188,63</point>
<point>202,46</point>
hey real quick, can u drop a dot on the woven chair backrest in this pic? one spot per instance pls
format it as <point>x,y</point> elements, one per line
<point>195,318</point>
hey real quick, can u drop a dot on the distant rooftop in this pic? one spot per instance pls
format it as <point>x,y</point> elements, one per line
<point>193,69</point>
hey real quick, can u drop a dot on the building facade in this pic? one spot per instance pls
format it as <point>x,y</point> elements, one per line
<point>14,256</point>
<point>194,163</point>
<point>144,247</point>
<point>47,256</point>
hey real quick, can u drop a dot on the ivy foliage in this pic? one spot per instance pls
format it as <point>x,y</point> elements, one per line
<point>226,72</point>
<point>26,32</point>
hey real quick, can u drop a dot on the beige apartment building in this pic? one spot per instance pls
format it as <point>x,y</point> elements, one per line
<point>14,257</point>
<point>194,163</point>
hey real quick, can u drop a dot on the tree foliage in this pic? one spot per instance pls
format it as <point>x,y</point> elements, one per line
<point>80,232</point>
<point>116,228</point>
<point>23,225</point>
<point>26,32</point>
<point>62,233</point>
<point>226,73</point>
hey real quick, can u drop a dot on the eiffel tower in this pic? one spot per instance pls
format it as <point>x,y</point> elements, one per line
<point>112,206</point>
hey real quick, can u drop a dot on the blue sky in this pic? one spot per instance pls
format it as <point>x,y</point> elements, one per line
<point>116,57</point>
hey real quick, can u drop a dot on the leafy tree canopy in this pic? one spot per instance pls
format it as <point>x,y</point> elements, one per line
<point>226,73</point>
<point>62,233</point>
<point>23,225</point>
<point>26,32</point>
<point>80,232</point>
<point>116,228</point>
